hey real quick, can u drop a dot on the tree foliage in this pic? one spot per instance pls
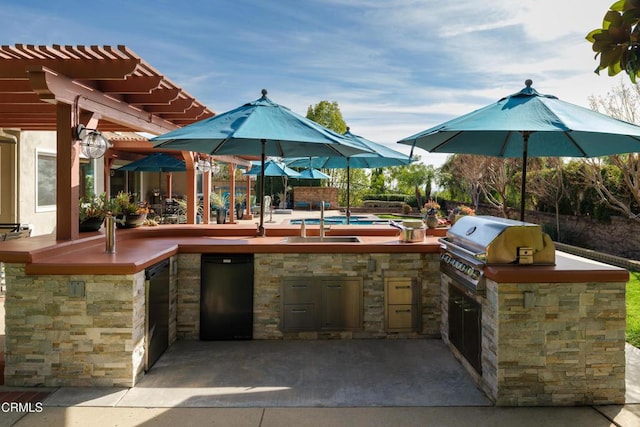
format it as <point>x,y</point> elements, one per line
<point>328,114</point>
<point>617,43</point>
<point>547,185</point>
<point>616,178</point>
<point>411,178</point>
<point>490,179</point>
<point>463,174</point>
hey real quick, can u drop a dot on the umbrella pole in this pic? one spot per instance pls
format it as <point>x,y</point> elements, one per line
<point>348,192</point>
<point>523,185</point>
<point>261,231</point>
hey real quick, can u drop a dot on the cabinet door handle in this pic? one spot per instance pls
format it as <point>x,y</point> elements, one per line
<point>403,287</point>
<point>334,286</point>
<point>298,310</point>
<point>298,286</point>
<point>403,311</point>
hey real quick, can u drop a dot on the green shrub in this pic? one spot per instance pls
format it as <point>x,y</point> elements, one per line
<point>385,197</point>
<point>633,309</point>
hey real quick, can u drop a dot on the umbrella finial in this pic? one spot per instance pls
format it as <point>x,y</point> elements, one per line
<point>528,82</point>
<point>264,93</point>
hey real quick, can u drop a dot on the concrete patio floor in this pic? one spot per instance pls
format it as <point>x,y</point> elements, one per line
<point>310,383</point>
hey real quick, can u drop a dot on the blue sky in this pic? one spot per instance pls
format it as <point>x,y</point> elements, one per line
<point>395,67</point>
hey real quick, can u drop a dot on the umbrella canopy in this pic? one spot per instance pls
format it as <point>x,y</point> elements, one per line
<point>272,168</point>
<point>526,124</point>
<point>378,156</point>
<point>312,174</point>
<point>156,162</point>
<point>260,127</point>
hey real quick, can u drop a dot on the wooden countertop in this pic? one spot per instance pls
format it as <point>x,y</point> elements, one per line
<point>139,248</point>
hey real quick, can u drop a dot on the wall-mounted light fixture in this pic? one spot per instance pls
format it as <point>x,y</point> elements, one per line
<point>92,143</point>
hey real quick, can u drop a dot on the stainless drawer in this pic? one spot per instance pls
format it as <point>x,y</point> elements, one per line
<point>400,291</point>
<point>401,317</point>
<point>299,316</point>
<point>298,292</point>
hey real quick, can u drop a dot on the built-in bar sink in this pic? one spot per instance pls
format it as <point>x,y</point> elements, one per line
<point>318,239</point>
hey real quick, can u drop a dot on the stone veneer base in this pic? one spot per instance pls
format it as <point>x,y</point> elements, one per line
<point>568,348</point>
<point>55,340</point>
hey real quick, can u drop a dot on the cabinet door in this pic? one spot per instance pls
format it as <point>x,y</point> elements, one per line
<point>456,310</point>
<point>341,306</point>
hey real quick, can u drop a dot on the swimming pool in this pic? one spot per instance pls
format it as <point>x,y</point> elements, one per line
<point>342,220</point>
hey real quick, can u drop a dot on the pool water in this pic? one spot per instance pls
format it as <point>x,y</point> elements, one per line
<point>342,220</point>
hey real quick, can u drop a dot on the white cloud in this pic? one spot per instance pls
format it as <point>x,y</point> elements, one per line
<point>395,67</point>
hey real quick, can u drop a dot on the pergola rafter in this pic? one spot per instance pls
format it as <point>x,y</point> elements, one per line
<point>59,87</point>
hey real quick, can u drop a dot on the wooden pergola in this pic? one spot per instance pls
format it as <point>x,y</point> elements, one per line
<point>108,88</point>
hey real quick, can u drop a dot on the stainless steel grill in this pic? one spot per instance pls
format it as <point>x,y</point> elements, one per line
<point>476,241</point>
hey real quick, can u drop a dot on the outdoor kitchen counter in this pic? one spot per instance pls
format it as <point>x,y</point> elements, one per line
<point>568,269</point>
<point>137,249</point>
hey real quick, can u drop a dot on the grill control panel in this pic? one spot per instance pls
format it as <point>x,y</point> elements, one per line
<point>468,270</point>
<point>464,272</point>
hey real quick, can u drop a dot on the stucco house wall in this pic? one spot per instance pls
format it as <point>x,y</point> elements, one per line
<point>42,221</point>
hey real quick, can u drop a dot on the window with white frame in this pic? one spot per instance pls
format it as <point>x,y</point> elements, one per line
<point>45,181</point>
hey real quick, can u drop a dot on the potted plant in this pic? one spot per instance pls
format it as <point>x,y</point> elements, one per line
<point>217,203</point>
<point>136,214</point>
<point>128,213</point>
<point>182,211</point>
<point>240,205</point>
<point>460,211</point>
<point>92,211</point>
<point>430,213</point>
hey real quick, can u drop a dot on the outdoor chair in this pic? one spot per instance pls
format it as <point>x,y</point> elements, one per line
<point>12,235</point>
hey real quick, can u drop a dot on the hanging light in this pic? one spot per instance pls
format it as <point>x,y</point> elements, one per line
<point>215,169</point>
<point>92,143</point>
<point>204,165</point>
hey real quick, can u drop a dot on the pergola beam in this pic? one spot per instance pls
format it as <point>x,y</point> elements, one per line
<point>54,88</point>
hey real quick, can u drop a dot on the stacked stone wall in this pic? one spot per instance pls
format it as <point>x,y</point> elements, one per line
<point>566,348</point>
<point>188,297</point>
<point>54,339</point>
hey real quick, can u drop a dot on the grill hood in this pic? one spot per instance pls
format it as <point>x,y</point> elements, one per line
<point>496,240</point>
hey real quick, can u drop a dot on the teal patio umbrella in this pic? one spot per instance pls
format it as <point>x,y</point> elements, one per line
<point>156,162</point>
<point>312,174</point>
<point>273,168</point>
<point>378,156</point>
<point>529,124</point>
<point>263,128</point>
